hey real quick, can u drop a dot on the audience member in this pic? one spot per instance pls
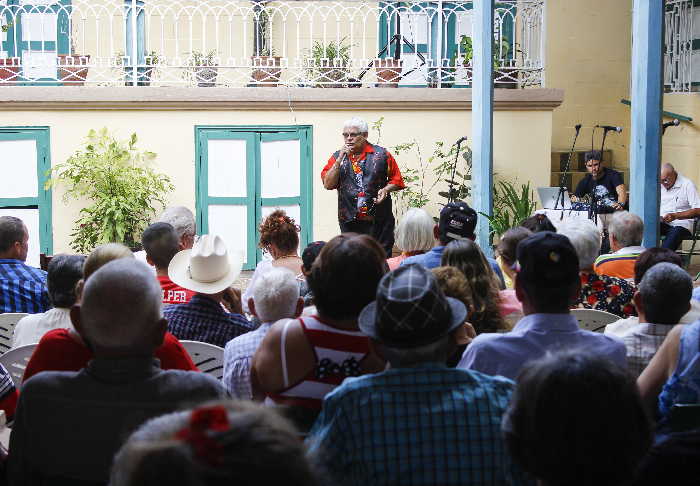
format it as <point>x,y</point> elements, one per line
<point>22,288</point>
<point>538,222</point>
<point>662,298</point>
<point>327,347</point>
<point>308,257</point>
<point>457,222</point>
<point>600,292</point>
<point>576,419</point>
<point>279,237</point>
<point>546,283</point>
<point>180,218</point>
<point>414,236</point>
<point>507,246</point>
<point>418,422</point>
<point>275,296</point>
<point>161,244</point>
<point>679,204</point>
<point>64,349</point>
<point>68,426</point>
<point>484,312</point>
<point>208,270</point>
<point>64,272</point>
<point>234,443</point>
<point>626,231</point>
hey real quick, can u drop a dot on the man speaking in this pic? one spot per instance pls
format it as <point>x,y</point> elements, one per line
<point>364,175</point>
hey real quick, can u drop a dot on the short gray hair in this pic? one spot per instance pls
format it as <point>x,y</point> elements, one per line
<point>627,228</point>
<point>665,290</point>
<point>275,294</point>
<point>356,122</point>
<point>415,231</point>
<point>429,353</point>
<point>181,218</point>
<point>585,238</point>
<point>119,303</point>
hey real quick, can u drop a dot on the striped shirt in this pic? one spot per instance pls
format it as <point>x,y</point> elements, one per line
<point>22,288</point>
<point>619,264</point>
<point>642,341</point>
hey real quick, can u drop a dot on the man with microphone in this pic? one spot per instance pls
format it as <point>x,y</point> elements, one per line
<point>364,175</point>
<point>603,184</point>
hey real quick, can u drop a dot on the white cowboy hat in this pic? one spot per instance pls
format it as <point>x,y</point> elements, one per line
<point>206,268</point>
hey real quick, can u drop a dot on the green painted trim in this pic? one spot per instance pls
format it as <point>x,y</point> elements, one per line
<point>19,202</point>
<point>668,114</point>
<point>696,44</point>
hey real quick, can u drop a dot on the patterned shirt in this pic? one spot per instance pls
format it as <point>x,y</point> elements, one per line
<point>642,342</point>
<point>424,425</point>
<point>238,356</point>
<point>203,319</point>
<point>22,288</point>
<point>609,294</point>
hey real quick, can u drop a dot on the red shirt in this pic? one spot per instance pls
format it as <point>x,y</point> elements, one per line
<point>393,173</point>
<point>173,293</point>
<point>58,351</point>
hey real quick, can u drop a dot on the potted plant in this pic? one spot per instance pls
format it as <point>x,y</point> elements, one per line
<point>328,64</point>
<point>202,68</point>
<point>388,72</point>
<point>466,51</point>
<point>503,75</point>
<point>266,68</point>
<point>9,66</point>
<point>144,75</point>
<point>122,190</point>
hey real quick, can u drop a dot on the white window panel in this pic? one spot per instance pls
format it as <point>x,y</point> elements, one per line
<point>39,64</point>
<point>30,217</point>
<point>19,159</point>
<point>231,224</point>
<point>280,165</point>
<point>39,27</point>
<point>419,76</point>
<point>227,168</point>
<point>464,24</point>
<point>414,26</point>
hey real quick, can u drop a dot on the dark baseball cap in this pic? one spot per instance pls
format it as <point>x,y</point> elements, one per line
<point>457,221</point>
<point>547,259</point>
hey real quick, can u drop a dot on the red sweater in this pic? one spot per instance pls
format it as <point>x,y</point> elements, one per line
<point>58,351</point>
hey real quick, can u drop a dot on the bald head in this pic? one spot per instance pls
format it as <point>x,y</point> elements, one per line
<point>121,307</point>
<point>668,176</point>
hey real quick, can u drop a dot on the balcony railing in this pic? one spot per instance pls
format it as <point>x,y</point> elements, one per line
<point>263,43</point>
<point>678,45</point>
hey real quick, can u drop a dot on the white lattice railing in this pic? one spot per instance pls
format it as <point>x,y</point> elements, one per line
<point>262,43</point>
<point>678,44</point>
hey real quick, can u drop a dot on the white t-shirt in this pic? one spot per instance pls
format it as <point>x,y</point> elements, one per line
<point>681,197</point>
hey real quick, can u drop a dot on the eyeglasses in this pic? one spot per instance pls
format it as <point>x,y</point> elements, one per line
<point>351,135</point>
<point>665,180</point>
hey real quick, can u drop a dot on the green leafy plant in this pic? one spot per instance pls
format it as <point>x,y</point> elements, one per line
<point>123,191</point>
<point>121,59</point>
<point>6,27</point>
<point>201,68</point>
<point>328,63</point>
<point>511,204</point>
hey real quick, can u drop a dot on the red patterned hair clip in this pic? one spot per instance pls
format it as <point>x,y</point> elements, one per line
<point>204,422</point>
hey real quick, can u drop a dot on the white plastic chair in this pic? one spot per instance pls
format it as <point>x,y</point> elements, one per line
<point>7,328</point>
<point>594,320</point>
<point>15,361</point>
<point>207,357</point>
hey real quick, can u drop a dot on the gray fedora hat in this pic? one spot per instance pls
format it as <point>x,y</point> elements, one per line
<point>410,310</point>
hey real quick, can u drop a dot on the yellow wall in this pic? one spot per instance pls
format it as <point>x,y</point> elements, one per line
<point>681,145</point>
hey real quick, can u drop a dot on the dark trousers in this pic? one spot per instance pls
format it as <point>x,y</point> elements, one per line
<point>380,230</point>
<point>674,236</point>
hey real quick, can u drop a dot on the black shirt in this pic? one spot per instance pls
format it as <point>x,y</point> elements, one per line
<point>605,188</point>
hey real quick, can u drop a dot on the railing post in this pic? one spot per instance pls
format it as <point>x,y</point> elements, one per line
<point>135,39</point>
<point>482,119</point>
<point>647,96</point>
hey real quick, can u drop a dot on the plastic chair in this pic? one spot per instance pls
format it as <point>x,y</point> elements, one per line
<point>687,255</point>
<point>207,357</point>
<point>7,328</point>
<point>15,361</point>
<point>593,320</point>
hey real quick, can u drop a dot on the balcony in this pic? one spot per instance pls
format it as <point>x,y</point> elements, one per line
<point>682,46</point>
<point>232,43</point>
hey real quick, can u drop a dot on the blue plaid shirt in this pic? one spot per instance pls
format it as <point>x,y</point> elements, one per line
<point>424,425</point>
<point>203,319</point>
<point>22,288</point>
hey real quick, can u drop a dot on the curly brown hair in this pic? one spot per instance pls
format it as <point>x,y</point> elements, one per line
<point>280,230</point>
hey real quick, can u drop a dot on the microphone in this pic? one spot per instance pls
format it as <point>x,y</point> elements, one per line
<point>577,127</point>
<point>673,123</point>
<point>610,128</point>
<point>459,142</point>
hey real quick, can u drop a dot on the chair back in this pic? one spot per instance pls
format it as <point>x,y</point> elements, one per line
<point>207,357</point>
<point>684,417</point>
<point>15,361</point>
<point>593,320</point>
<point>7,329</point>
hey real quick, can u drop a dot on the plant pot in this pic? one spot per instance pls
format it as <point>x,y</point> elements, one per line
<point>266,70</point>
<point>388,72</point>
<point>206,76</point>
<point>9,70</point>
<point>73,69</point>
<point>331,75</point>
<point>143,76</point>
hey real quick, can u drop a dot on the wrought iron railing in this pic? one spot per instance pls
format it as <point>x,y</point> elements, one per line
<point>263,43</point>
<point>678,45</point>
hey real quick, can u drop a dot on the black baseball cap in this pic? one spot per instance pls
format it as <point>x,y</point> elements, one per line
<point>547,259</point>
<point>457,221</point>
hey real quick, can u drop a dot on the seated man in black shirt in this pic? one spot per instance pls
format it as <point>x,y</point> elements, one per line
<point>602,186</point>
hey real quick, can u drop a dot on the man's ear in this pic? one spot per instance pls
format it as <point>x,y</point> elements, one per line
<point>300,307</point>
<point>76,319</point>
<point>519,292</point>
<point>639,302</point>
<point>251,307</point>
<point>149,261</point>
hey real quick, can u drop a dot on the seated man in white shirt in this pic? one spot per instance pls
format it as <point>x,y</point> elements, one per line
<point>679,204</point>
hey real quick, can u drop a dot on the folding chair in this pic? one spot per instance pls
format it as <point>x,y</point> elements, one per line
<point>207,357</point>
<point>687,255</point>
<point>593,320</point>
<point>7,328</point>
<point>15,361</point>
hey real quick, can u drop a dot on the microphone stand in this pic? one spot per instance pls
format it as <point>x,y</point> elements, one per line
<point>562,181</point>
<point>454,170</point>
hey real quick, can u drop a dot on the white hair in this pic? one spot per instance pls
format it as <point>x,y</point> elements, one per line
<point>415,231</point>
<point>665,289</point>
<point>627,228</point>
<point>181,218</point>
<point>585,238</point>
<point>275,294</point>
<point>356,122</point>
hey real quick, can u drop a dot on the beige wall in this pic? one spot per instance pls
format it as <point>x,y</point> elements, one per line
<point>681,145</point>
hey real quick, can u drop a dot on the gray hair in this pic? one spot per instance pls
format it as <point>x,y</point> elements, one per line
<point>275,294</point>
<point>627,228</point>
<point>415,231</point>
<point>665,290</point>
<point>120,301</point>
<point>436,352</point>
<point>585,238</point>
<point>356,122</point>
<point>669,167</point>
<point>181,218</point>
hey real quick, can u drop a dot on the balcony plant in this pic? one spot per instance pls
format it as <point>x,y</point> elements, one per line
<point>144,75</point>
<point>328,64</point>
<point>122,190</point>
<point>73,68</point>
<point>9,67</point>
<point>202,68</point>
<point>266,68</point>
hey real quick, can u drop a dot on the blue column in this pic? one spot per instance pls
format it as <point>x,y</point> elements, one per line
<point>647,93</point>
<point>135,49</point>
<point>482,119</point>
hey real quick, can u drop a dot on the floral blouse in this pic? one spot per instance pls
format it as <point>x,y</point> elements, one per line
<point>609,294</point>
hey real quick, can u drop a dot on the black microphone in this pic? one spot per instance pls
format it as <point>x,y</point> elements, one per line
<point>610,128</point>
<point>577,127</point>
<point>673,123</point>
<point>459,142</point>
